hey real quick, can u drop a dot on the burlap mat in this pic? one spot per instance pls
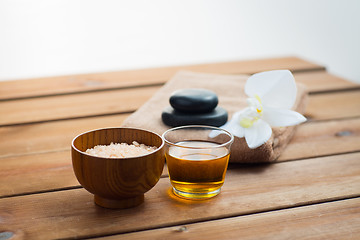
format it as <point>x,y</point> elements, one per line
<point>230,91</point>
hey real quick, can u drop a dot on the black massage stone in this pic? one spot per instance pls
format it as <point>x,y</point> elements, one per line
<point>175,118</point>
<point>194,100</point>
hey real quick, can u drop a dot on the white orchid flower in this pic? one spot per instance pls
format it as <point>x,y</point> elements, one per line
<point>271,94</point>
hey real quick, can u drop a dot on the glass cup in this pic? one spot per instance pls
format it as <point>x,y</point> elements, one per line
<point>197,158</point>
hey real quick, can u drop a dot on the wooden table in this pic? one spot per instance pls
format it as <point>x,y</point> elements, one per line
<point>312,192</point>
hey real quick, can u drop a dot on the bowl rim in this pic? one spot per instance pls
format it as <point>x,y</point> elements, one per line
<point>109,128</point>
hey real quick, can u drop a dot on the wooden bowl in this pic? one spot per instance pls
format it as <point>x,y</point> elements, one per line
<point>117,182</point>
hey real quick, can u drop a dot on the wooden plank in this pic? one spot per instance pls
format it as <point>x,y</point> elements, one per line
<point>51,136</point>
<point>36,173</point>
<point>323,138</point>
<point>72,213</point>
<point>73,106</point>
<point>334,105</point>
<point>322,81</point>
<point>321,106</point>
<point>334,220</point>
<point>95,81</point>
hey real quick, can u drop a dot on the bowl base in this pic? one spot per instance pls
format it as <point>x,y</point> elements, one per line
<point>119,203</point>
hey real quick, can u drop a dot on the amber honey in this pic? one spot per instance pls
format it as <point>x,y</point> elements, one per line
<point>197,168</point>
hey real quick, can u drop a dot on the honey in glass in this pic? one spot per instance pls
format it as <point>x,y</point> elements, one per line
<point>197,167</point>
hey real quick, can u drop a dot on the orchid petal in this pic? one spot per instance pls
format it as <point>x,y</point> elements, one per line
<point>275,88</point>
<point>233,126</point>
<point>282,117</point>
<point>235,129</point>
<point>258,134</point>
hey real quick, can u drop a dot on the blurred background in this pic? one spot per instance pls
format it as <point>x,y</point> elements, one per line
<point>41,38</point>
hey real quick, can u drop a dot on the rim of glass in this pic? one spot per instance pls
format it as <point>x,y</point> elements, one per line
<point>198,126</point>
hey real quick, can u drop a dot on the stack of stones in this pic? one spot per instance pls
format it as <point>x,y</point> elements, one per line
<point>194,106</point>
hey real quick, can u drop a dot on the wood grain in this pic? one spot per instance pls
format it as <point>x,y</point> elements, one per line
<point>321,106</point>
<point>36,173</point>
<point>323,138</point>
<point>247,190</point>
<point>73,106</point>
<point>334,105</point>
<point>322,81</point>
<point>334,220</point>
<point>140,77</point>
<point>50,136</point>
